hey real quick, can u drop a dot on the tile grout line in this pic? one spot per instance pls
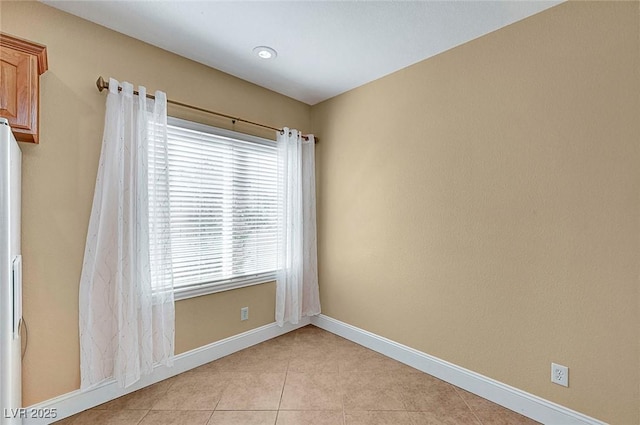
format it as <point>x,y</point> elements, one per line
<point>142,418</point>
<point>163,395</point>
<point>211,415</point>
<point>225,387</point>
<point>344,414</point>
<point>286,373</point>
<point>473,412</point>
<point>342,392</point>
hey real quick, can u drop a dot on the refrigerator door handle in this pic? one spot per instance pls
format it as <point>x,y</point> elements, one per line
<point>17,296</point>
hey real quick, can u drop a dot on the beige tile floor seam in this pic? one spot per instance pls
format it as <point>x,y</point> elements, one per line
<point>465,402</point>
<point>282,393</point>
<point>306,377</point>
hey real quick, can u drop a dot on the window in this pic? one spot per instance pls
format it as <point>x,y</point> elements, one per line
<point>223,208</point>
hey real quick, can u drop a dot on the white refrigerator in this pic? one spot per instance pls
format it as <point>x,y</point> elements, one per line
<point>11,410</point>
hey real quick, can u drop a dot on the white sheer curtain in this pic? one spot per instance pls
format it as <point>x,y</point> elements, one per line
<point>126,286</point>
<point>297,280</point>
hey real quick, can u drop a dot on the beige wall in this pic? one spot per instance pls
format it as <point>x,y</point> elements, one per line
<point>483,206</point>
<point>490,192</point>
<point>59,177</point>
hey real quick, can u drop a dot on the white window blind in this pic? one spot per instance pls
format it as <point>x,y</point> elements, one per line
<point>223,208</point>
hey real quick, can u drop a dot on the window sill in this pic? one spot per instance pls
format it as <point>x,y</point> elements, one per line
<point>226,285</point>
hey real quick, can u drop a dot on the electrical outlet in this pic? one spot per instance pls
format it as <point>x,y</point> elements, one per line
<point>244,313</point>
<point>560,374</point>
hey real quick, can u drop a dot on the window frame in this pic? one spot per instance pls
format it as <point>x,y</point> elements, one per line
<point>206,288</point>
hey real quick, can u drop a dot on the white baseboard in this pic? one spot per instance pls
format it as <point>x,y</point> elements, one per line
<point>512,398</point>
<point>76,401</point>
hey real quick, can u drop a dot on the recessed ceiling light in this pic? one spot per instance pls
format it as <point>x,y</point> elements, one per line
<point>265,52</point>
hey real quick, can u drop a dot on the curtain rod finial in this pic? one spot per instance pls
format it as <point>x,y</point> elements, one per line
<point>101,84</point>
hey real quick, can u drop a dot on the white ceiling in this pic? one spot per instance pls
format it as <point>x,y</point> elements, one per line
<point>324,47</point>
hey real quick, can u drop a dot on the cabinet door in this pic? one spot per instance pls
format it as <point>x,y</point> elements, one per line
<point>19,92</point>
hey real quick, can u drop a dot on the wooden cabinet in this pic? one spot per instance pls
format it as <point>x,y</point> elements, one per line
<point>21,64</point>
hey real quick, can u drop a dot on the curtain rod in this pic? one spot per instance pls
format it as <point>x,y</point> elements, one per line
<point>102,84</point>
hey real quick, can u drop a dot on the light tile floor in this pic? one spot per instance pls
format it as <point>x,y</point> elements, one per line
<point>306,377</point>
